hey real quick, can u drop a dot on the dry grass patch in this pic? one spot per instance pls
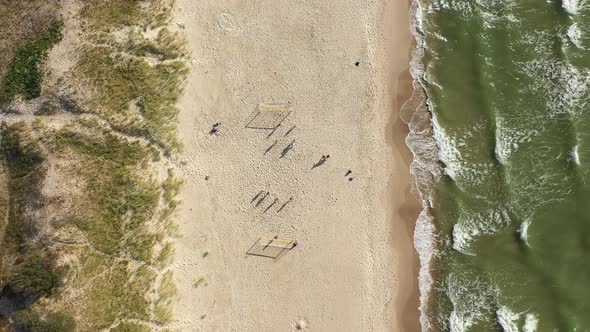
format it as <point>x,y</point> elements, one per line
<point>132,67</point>
<point>166,293</point>
<point>119,202</point>
<point>109,15</point>
<point>116,291</point>
<point>136,97</point>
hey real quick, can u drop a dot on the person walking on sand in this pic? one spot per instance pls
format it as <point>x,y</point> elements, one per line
<point>215,128</point>
<point>321,161</point>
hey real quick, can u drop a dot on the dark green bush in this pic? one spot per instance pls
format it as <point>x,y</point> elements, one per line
<point>34,277</point>
<point>24,74</point>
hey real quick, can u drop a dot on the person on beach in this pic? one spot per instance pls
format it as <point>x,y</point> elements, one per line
<point>348,173</point>
<point>321,161</point>
<point>215,128</point>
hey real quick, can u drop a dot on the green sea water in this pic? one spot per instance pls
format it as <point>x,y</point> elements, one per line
<point>508,86</point>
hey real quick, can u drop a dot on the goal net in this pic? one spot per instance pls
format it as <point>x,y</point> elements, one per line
<point>269,115</point>
<point>271,247</point>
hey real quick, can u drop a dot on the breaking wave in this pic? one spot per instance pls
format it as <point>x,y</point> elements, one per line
<point>510,321</point>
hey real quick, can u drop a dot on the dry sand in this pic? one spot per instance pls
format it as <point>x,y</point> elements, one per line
<point>354,268</point>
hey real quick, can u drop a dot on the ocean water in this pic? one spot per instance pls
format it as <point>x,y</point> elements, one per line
<point>503,169</point>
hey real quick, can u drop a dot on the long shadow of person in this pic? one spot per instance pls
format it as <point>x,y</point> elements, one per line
<point>284,204</point>
<point>271,204</point>
<point>273,131</point>
<point>262,199</point>
<point>287,149</point>
<point>289,131</point>
<point>320,162</point>
<point>257,195</point>
<point>270,147</point>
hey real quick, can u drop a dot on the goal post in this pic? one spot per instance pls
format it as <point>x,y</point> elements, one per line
<point>271,247</point>
<point>269,115</point>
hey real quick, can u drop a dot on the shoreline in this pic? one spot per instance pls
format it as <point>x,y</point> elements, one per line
<point>425,167</point>
<point>404,212</point>
<point>404,207</point>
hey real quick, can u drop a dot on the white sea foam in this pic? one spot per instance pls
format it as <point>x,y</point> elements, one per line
<point>575,35</point>
<point>493,12</point>
<point>575,155</point>
<point>565,88</point>
<point>458,6</point>
<point>530,323</point>
<point>451,148</point>
<point>472,299</point>
<point>540,41</point>
<point>571,6</point>
<point>470,226</point>
<point>424,242</point>
<point>527,195</point>
<point>509,139</point>
<point>458,323</point>
<point>496,12</point>
<point>424,167</point>
<point>523,230</point>
<point>508,319</point>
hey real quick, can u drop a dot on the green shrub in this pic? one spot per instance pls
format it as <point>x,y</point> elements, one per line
<point>24,74</point>
<point>35,276</point>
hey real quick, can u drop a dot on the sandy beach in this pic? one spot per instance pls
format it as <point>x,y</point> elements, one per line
<point>341,67</point>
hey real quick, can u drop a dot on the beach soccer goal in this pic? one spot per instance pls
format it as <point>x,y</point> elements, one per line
<point>269,115</point>
<point>271,247</point>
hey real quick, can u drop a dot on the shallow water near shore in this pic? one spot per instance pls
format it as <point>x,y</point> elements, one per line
<point>508,84</point>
